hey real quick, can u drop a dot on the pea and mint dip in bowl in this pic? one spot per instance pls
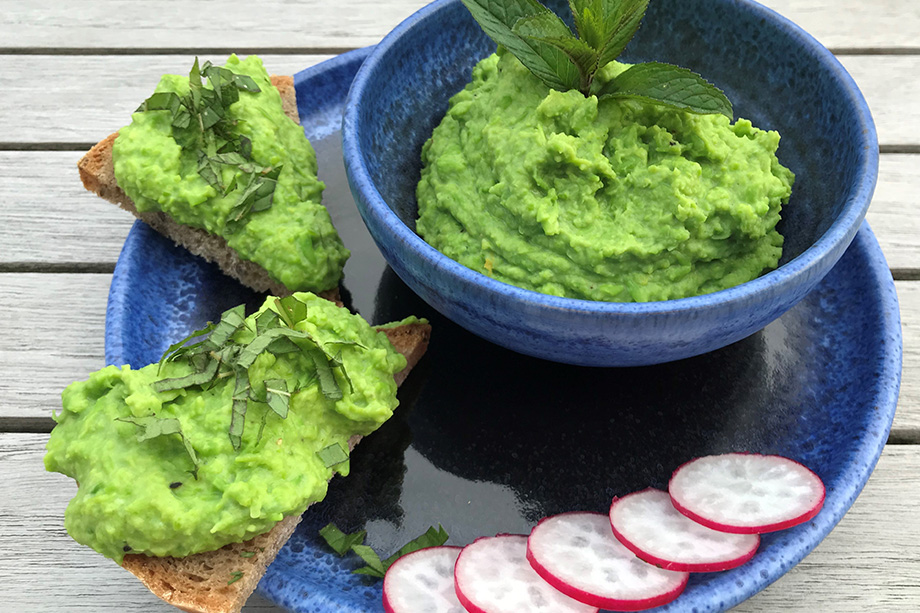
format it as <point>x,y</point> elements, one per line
<point>634,282</point>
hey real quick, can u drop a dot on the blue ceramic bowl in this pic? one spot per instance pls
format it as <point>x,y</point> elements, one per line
<point>775,74</point>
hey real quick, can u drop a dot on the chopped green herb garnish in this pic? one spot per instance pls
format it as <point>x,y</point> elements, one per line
<point>332,455</point>
<point>341,543</point>
<point>431,538</point>
<point>221,356</point>
<point>375,566</point>
<point>152,426</point>
<point>247,554</point>
<point>548,48</point>
<point>235,576</point>
<point>201,123</point>
<point>277,396</point>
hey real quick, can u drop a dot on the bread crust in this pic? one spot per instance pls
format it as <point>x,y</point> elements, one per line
<point>200,583</point>
<point>97,171</point>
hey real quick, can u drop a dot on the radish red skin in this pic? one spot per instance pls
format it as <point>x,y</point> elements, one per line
<point>670,565</point>
<point>387,605</point>
<point>466,602</point>
<point>611,604</point>
<point>752,529</point>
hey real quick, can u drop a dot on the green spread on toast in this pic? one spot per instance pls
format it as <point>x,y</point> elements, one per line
<point>161,467</point>
<point>222,156</point>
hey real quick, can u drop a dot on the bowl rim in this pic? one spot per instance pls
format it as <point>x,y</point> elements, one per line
<point>808,263</point>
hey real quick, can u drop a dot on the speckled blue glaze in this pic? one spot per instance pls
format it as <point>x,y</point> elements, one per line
<point>819,384</point>
<point>776,75</point>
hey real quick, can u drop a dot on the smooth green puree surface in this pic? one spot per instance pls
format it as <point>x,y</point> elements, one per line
<point>294,240</point>
<point>125,503</point>
<point>607,200</point>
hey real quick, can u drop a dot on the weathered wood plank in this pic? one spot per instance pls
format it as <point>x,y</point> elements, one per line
<point>907,419</point>
<point>50,217</point>
<point>891,213</point>
<point>891,89</point>
<point>871,560</point>
<point>298,25</point>
<point>81,99</point>
<point>55,327</point>
<point>173,24</point>
<point>54,333</point>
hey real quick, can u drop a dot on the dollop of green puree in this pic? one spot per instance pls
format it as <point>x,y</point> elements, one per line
<point>294,240</point>
<point>142,496</point>
<point>613,200</point>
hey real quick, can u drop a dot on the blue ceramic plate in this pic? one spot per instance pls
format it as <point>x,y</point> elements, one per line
<point>487,440</point>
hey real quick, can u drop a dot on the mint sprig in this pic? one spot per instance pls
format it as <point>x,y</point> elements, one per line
<point>548,48</point>
<point>201,124</point>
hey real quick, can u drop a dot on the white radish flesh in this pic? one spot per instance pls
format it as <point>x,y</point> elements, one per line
<point>492,575</point>
<point>746,493</point>
<point>648,525</point>
<point>422,582</point>
<point>578,555</point>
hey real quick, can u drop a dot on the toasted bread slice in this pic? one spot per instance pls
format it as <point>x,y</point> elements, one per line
<point>97,171</point>
<point>201,583</point>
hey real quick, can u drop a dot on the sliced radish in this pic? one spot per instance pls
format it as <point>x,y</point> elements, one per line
<point>492,575</point>
<point>746,493</point>
<point>422,582</point>
<point>648,525</point>
<point>577,554</point>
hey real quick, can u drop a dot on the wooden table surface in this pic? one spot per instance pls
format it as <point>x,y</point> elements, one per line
<point>71,74</point>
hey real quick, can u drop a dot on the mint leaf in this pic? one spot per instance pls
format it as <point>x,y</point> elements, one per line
<point>579,53</point>
<point>498,18</point>
<point>340,542</point>
<point>278,397</point>
<point>239,407</point>
<point>202,377</point>
<point>375,567</point>
<point>588,22</point>
<point>431,538</point>
<point>572,59</point>
<point>161,101</point>
<point>152,426</point>
<point>231,320</point>
<point>619,21</point>
<point>327,383</point>
<point>180,347</point>
<point>332,455</point>
<point>669,85</point>
<point>291,310</point>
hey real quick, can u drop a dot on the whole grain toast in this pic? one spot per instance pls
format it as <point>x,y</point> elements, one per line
<point>97,171</point>
<point>203,582</point>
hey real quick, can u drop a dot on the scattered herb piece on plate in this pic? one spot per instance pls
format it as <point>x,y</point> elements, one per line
<point>342,543</point>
